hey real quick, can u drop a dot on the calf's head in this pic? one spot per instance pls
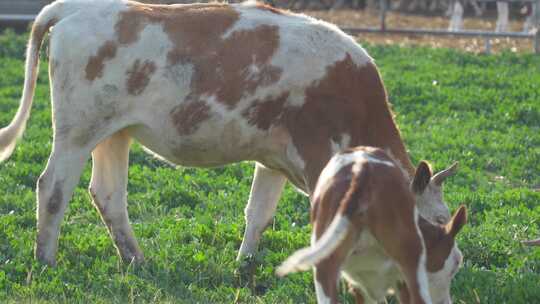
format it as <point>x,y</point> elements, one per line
<point>443,255</point>
<point>428,190</point>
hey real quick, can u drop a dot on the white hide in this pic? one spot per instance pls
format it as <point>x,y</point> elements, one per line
<point>265,192</point>
<point>340,160</point>
<point>300,35</point>
<point>421,272</point>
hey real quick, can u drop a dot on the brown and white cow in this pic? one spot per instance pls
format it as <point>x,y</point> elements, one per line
<point>366,228</point>
<point>199,85</point>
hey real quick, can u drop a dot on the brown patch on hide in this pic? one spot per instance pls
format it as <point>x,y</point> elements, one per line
<point>139,76</point>
<point>132,22</point>
<point>96,63</point>
<point>264,114</point>
<point>225,67</point>
<point>187,117</point>
<point>238,66</point>
<point>351,100</point>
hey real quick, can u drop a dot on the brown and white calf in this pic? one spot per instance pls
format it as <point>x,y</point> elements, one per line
<point>199,85</point>
<point>366,228</point>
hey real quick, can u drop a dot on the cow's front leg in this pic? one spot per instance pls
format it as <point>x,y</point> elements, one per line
<point>54,189</point>
<point>108,190</point>
<point>265,192</point>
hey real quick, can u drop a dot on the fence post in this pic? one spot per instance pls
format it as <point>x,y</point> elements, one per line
<point>536,21</point>
<point>383,14</point>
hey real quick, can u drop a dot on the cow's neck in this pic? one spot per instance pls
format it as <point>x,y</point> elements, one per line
<point>381,129</point>
<point>347,107</point>
<point>390,139</point>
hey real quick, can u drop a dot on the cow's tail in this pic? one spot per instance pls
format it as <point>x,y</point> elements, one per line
<point>48,16</point>
<point>334,235</point>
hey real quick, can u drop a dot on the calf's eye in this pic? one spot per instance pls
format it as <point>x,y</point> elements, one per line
<point>440,219</point>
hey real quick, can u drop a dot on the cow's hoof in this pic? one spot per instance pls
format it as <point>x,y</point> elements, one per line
<point>245,273</point>
<point>42,258</point>
<point>259,289</point>
<point>134,260</point>
<point>247,265</point>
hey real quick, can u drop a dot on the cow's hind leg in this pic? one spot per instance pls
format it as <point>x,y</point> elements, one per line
<point>108,190</point>
<point>265,192</point>
<point>54,189</point>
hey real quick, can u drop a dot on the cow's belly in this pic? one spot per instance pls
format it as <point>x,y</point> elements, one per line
<point>216,143</point>
<point>220,141</point>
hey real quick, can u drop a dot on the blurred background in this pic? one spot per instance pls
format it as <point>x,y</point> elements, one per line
<point>520,19</point>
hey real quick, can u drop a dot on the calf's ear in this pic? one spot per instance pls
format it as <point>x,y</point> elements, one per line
<point>459,219</point>
<point>422,176</point>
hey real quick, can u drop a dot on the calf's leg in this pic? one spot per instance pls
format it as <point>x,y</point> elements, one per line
<point>110,160</point>
<point>326,277</point>
<point>358,297</point>
<point>402,241</point>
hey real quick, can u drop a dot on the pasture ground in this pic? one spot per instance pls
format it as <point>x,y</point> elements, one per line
<point>483,111</point>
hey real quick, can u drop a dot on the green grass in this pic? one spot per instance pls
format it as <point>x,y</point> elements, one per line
<point>483,111</point>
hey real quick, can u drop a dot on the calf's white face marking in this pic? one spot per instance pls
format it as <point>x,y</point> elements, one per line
<point>421,272</point>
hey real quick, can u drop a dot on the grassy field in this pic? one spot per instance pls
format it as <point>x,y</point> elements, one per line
<point>483,111</point>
